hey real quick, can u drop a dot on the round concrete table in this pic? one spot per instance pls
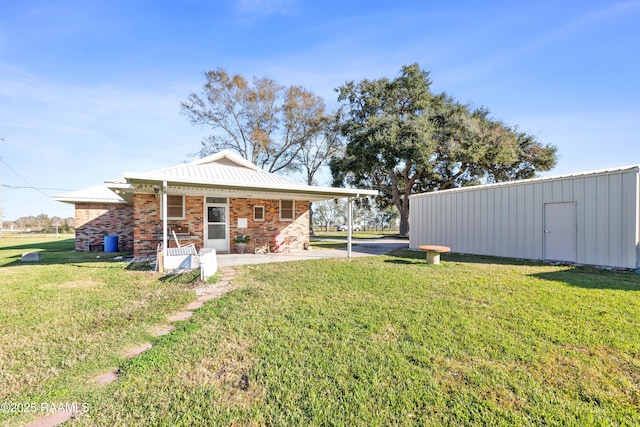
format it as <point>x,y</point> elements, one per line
<point>433,252</point>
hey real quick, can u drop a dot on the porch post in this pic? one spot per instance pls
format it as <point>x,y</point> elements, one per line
<point>349,230</point>
<point>164,222</point>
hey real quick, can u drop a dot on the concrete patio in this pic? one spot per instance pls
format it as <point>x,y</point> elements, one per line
<point>360,248</point>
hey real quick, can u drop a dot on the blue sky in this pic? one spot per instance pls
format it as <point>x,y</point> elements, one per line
<point>91,89</point>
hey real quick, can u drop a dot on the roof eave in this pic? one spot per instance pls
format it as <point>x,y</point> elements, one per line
<point>72,200</point>
<point>326,192</point>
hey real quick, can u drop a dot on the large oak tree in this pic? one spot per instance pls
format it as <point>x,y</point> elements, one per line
<point>403,139</point>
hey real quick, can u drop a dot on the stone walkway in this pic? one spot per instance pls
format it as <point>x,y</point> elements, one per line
<point>204,294</point>
<point>362,247</point>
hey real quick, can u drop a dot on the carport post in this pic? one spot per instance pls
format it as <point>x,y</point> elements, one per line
<point>349,230</point>
<point>164,222</point>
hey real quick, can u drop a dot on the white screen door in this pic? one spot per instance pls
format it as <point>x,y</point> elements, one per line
<point>560,231</point>
<point>216,228</point>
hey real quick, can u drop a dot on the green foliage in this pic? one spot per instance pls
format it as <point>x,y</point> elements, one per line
<point>403,139</point>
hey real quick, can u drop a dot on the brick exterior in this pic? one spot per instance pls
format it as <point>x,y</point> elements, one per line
<point>271,227</point>
<point>148,230</point>
<point>146,216</point>
<point>96,220</point>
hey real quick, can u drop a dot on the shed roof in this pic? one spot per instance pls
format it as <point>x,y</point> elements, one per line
<point>632,168</point>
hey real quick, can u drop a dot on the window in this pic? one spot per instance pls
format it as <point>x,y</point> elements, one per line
<point>218,200</point>
<point>286,210</point>
<point>175,207</point>
<point>258,213</point>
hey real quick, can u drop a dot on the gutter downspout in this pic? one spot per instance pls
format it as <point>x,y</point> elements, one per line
<point>164,222</point>
<point>349,227</point>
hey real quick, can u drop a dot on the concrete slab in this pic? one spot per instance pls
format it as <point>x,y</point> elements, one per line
<point>360,247</point>
<point>53,419</point>
<point>182,315</point>
<point>30,256</point>
<point>138,350</point>
<point>208,297</point>
<point>163,330</point>
<point>107,377</point>
<point>195,305</point>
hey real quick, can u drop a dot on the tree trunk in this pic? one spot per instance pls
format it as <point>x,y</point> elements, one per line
<point>310,219</point>
<point>404,221</point>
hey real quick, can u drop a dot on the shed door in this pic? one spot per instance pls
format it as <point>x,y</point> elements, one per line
<point>560,231</point>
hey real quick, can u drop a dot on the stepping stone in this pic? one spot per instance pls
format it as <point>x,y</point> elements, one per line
<point>107,377</point>
<point>195,305</point>
<point>214,289</point>
<point>52,419</point>
<point>165,330</point>
<point>182,315</point>
<point>138,350</point>
<point>208,297</point>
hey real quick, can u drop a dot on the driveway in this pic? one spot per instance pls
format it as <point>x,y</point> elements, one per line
<point>360,247</point>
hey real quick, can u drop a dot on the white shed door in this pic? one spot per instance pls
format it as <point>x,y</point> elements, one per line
<point>560,231</point>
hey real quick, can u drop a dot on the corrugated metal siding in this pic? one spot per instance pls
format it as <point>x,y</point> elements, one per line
<point>507,220</point>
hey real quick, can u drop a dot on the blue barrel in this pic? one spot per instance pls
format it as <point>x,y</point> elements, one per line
<point>111,243</point>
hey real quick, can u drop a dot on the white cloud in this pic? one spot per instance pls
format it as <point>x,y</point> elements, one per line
<point>71,136</point>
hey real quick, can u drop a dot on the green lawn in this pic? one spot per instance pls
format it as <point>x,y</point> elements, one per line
<point>367,341</point>
<point>372,234</point>
<point>70,317</point>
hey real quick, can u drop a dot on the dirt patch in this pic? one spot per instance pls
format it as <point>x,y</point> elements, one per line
<point>231,371</point>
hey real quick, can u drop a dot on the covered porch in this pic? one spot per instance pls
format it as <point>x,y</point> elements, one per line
<point>214,202</point>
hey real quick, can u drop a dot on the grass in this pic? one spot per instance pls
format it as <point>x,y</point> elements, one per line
<point>372,341</point>
<point>323,244</point>
<point>356,234</point>
<point>70,317</point>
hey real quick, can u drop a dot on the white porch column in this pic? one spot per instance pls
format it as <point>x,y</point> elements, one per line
<point>349,225</point>
<point>164,222</point>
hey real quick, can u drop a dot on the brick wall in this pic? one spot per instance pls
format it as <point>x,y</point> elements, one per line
<point>96,220</point>
<point>148,230</point>
<point>271,227</point>
<point>146,216</point>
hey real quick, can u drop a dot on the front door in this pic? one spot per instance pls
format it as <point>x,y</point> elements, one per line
<point>560,231</point>
<point>216,228</point>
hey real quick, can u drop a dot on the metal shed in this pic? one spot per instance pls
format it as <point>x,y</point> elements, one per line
<point>588,218</point>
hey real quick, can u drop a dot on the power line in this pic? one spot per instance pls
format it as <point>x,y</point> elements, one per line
<point>20,187</point>
<point>25,181</point>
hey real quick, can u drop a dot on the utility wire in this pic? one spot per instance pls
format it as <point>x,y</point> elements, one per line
<point>25,181</point>
<point>48,199</point>
<point>20,187</point>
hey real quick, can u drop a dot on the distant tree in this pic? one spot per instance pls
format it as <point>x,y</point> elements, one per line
<point>323,214</point>
<point>263,121</point>
<point>402,139</point>
<point>331,213</point>
<point>323,142</point>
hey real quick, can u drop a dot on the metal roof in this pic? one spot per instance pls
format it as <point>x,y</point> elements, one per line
<point>221,172</point>
<point>635,168</point>
<point>98,194</point>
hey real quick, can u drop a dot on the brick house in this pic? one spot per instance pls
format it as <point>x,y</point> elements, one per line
<point>208,202</point>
